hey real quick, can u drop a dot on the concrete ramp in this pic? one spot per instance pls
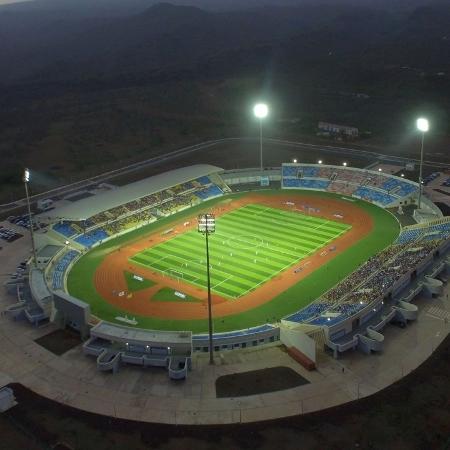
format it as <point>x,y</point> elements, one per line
<point>372,341</point>
<point>405,312</point>
<point>300,346</point>
<point>432,286</point>
<point>178,368</point>
<point>108,361</point>
<point>16,310</point>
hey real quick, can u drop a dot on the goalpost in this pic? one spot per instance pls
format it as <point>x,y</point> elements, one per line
<point>173,273</point>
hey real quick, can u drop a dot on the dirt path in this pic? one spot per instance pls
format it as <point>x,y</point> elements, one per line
<point>109,277</point>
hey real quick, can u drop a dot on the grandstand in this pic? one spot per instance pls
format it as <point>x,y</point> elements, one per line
<point>60,268</point>
<point>369,295</point>
<point>433,230</point>
<point>381,189</point>
<point>95,219</point>
<point>364,287</point>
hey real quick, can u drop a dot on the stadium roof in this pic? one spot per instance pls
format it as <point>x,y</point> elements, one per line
<point>88,207</point>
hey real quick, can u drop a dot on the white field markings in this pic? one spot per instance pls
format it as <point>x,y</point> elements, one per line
<point>270,247</point>
<point>299,222</point>
<point>246,255</point>
<point>295,256</point>
<point>293,262</point>
<point>262,211</point>
<point>196,281</point>
<point>261,240</point>
<point>218,284</point>
<point>241,238</point>
<point>303,223</point>
<point>306,218</point>
<point>189,275</point>
<point>186,262</point>
<point>162,258</point>
<point>335,236</point>
<point>321,225</point>
<point>438,313</point>
<point>224,273</point>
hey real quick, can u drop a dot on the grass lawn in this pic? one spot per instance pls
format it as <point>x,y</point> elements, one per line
<point>135,285</point>
<point>386,229</point>
<point>242,258</point>
<point>168,295</point>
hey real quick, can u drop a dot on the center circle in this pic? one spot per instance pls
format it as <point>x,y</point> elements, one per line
<point>245,242</point>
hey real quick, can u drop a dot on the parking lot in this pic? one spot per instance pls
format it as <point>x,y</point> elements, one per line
<point>8,234</point>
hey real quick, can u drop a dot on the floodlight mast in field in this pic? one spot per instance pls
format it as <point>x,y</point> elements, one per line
<point>207,226</point>
<point>26,179</point>
<point>261,110</point>
<point>423,126</point>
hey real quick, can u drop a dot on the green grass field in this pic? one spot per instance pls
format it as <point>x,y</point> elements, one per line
<point>385,230</point>
<point>242,259</point>
<point>134,285</point>
<point>168,295</point>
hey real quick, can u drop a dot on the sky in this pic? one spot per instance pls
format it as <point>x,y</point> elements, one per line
<point>253,2</point>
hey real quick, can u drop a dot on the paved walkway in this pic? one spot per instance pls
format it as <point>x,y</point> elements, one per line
<point>148,394</point>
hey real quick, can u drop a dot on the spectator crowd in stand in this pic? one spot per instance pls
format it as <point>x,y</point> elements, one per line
<point>137,212</point>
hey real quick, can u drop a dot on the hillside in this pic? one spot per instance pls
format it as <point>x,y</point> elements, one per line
<point>80,94</point>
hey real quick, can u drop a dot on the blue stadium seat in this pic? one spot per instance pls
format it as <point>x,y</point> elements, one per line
<point>91,238</point>
<point>60,268</point>
<point>212,191</point>
<point>65,228</point>
<point>309,172</point>
<point>204,180</point>
<point>374,196</point>
<point>398,187</point>
<point>408,236</point>
<point>305,183</point>
<point>308,313</point>
<point>290,171</point>
<point>432,232</point>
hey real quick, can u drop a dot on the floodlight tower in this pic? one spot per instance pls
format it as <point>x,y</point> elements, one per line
<point>261,110</point>
<point>207,226</point>
<point>26,179</point>
<point>423,126</point>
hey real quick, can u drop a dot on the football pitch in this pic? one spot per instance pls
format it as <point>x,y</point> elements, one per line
<point>251,245</point>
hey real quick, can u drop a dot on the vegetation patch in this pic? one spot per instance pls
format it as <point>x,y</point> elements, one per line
<point>135,284</point>
<point>169,295</point>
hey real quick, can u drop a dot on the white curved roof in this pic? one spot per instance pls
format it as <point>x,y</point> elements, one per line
<point>88,207</point>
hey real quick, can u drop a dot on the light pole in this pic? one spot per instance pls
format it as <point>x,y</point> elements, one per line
<point>207,226</point>
<point>423,126</point>
<point>26,179</point>
<point>261,110</point>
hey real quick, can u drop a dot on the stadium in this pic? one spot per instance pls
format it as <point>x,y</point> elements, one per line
<point>317,259</point>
